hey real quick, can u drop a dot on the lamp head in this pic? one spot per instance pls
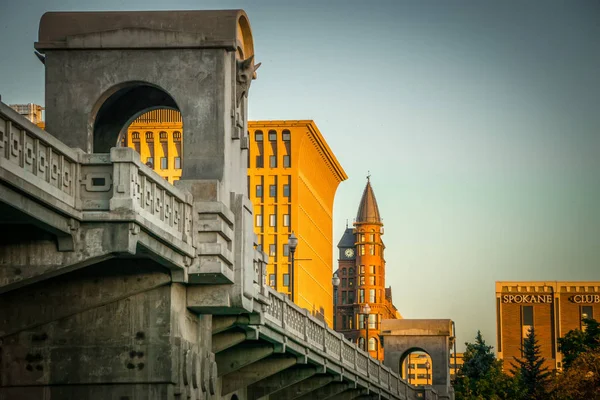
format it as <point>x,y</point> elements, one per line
<point>335,280</point>
<point>292,242</point>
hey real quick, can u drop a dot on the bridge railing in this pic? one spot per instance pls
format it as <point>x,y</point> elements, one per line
<point>303,328</point>
<point>37,162</point>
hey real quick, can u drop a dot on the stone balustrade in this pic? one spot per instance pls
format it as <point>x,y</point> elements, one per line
<point>298,325</point>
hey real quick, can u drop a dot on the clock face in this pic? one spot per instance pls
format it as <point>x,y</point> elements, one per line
<point>349,253</point>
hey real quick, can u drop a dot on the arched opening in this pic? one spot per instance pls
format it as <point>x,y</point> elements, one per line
<point>416,367</point>
<point>373,344</point>
<point>161,144</point>
<point>120,106</point>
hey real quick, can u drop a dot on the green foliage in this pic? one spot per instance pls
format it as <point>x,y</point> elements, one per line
<point>530,370</point>
<point>577,342</point>
<point>481,376</point>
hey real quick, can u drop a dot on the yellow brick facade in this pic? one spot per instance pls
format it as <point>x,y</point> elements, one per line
<point>292,177</point>
<point>552,308</point>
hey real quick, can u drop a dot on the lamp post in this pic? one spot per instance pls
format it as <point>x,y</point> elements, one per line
<point>427,366</point>
<point>292,244</point>
<point>366,310</point>
<point>335,281</point>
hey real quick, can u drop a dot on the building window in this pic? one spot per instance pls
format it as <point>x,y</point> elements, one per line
<point>344,271</point>
<point>372,321</point>
<point>259,192</point>
<point>372,269</point>
<point>259,220</point>
<point>286,250</point>
<point>285,135</point>
<point>587,312</point>
<point>344,282</point>
<point>361,280</point>
<point>526,319</point>
<point>286,190</point>
<point>361,295</point>
<point>286,161</point>
<point>272,281</point>
<point>149,136</point>
<point>372,280</point>
<point>362,269</point>
<point>258,136</point>
<point>344,297</point>
<point>177,162</point>
<point>135,135</point>
<point>362,250</point>
<point>371,295</point>
<point>273,220</point>
<point>286,280</point>
<point>361,237</point>
<point>273,161</point>
<point>351,297</point>
<point>176,135</point>
<point>272,136</point>
<point>259,162</point>
<point>164,163</point>
<point>163,135</point>
<point>372,344</point>
<point>286,219</point>
<point>150,162</point>
<point>350,282</point>
<point>351,271</point>
<point>273,190</point>
<point>372,249</point>
<point>272,250</point>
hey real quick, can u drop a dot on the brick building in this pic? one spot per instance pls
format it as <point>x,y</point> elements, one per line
<point>552,308</point>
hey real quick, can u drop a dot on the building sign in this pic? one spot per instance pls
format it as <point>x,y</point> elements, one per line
<point>527,298</point>
<point>585,298</point>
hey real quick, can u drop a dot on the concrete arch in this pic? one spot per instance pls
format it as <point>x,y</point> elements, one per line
<point>119,106</point>
<point>434,337</point>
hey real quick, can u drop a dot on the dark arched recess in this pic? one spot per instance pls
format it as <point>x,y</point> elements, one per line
<point>122,107</point>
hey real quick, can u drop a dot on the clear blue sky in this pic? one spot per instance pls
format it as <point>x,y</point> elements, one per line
<point>482,120</point>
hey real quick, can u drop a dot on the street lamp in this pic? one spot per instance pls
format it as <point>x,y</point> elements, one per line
<point>335,281</point>
<point>366,310</point>
<point>292,244</point>
<point>427,366</point>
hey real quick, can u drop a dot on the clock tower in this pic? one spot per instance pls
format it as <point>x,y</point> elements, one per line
<point>361,270</point>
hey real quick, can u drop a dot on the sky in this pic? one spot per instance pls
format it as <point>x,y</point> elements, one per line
<point>479,122</point>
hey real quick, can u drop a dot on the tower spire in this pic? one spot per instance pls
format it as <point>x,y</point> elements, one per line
<point>368,211</point>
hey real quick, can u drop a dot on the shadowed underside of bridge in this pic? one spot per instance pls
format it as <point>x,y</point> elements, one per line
<point>116,284</point>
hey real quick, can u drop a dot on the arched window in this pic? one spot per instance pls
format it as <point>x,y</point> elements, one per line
<point>163,135</point>
<point>351,271</point>
<point>135,135</point>
<point>372,344</point>
<point>176,135</point>
<point>361,343</point>
<point>149,135</point>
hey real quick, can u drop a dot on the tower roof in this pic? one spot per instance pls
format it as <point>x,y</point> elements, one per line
<point>347,239</point>
<point>368,212</point>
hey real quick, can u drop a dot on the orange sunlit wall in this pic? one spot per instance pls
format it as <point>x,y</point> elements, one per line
<point>292,179</point>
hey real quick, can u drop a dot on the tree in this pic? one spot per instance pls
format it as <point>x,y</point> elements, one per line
<point>530,370</point>
<point>481,376</point>
<point>578,341</point>
<point>581,380</point>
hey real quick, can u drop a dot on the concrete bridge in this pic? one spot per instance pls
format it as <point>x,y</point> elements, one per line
<point>115,284</point>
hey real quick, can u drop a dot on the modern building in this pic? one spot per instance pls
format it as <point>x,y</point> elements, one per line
<point>552,308</point>
<point>361,270</point>
<point>292,179</point>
